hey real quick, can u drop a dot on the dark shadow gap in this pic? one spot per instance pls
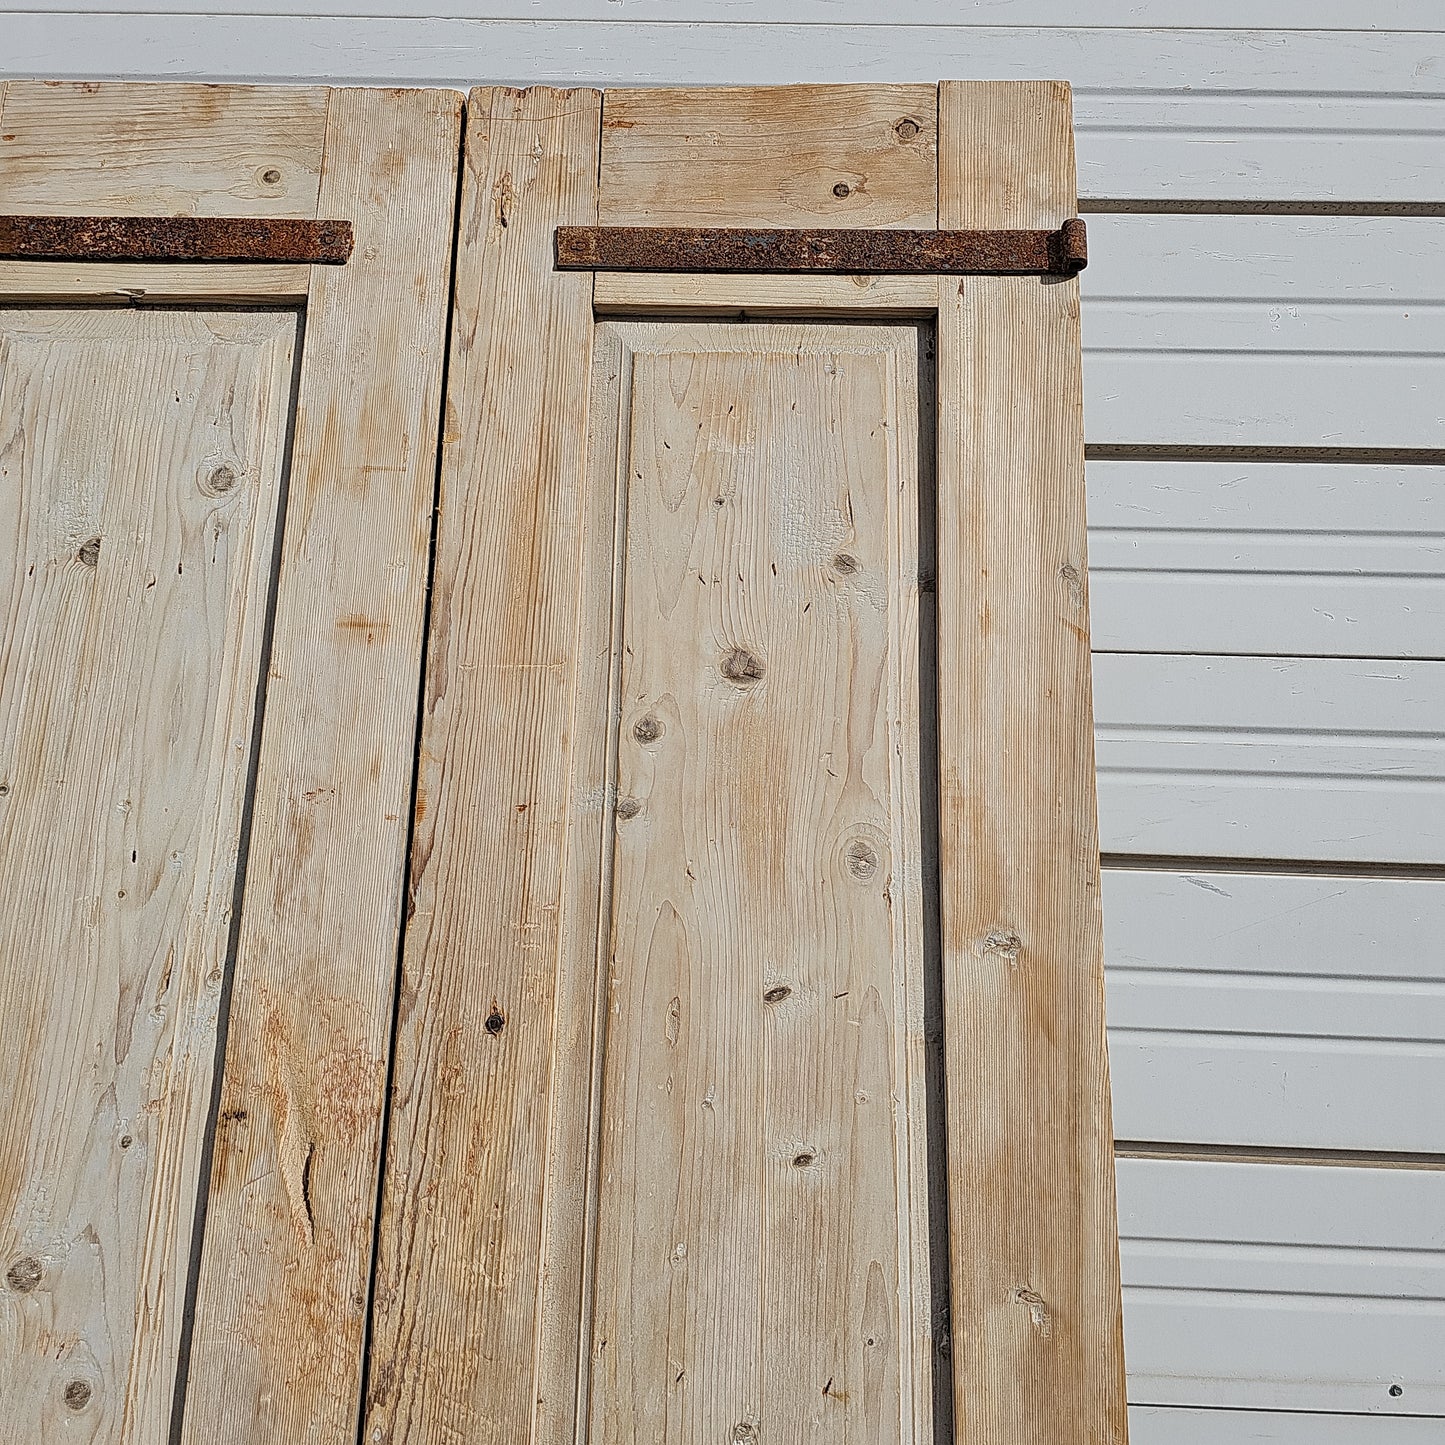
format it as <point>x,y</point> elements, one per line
<point>1270,1154</point>
<point>1103,206</point>
<point>1308,867</point>
<point>1156,452</point>
<point>935,1095</point>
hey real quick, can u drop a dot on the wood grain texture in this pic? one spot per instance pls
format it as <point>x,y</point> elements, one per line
<point>31,281</point>
<point>141,458</point>
<point>762,1266</point>
<point>1037,1353</point>
<point>281,1305</point>
<point>127,149</point>
<point>469,1175</point>
<point>658,294</point>
<point>797,155</point>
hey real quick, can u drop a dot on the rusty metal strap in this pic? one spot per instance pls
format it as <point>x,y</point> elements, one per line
<point>173,238</point>
<point>851,253</point>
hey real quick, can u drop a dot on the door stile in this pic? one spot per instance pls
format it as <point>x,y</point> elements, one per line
<point>1036,1333</point>
<point>469,1174</point>
<point>286,1254</point>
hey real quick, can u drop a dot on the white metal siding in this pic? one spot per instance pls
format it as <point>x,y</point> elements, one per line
<point>1265,406</point>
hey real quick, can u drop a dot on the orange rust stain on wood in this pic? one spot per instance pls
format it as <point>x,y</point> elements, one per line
<point>358,622</point>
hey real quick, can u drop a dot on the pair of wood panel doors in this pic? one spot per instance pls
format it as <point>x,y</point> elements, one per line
<point>565,909</point>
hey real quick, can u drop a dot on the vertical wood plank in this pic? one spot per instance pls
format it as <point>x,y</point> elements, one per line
<point>455,1351</point>
<point>1037,1349</point>
<point>276,1352</point>
<point>141,457</point>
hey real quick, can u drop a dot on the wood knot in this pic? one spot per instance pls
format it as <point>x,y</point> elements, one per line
<point>271,176</point>
<point>126,1141</point>
<point>1002,943</point>
<point>744,1433</point>
<point>906,129</point>
<point>647,729</point>
<point>803,1158</point>
<point>842,189</point>
<point>218,481</point>
<point>845,563</point>
<point>742,666</point>
<point>496,1021</point>
<point>24,1274</point>
<point>1033,1301</point>
<point>777,993</point>
<point>628,807</point>
<point>77,1395</point>
<point>862,860</point>
<point>89,553</point>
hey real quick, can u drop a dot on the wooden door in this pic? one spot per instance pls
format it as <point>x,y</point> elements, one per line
<point>216,486</point>
<point>749,1075</point>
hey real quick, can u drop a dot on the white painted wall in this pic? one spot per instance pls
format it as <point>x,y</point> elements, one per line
<point>1269,621</point>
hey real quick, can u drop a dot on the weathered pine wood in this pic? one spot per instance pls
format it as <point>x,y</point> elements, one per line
<point>762,1245</point>
<point>1036,1341</point>
<point>792,155</point>
<point>282,1295</point>
<point>455,1350</point>
<point>119,148</point>
<point>624,293</point>
<point>38,281</point>
<point>141,456</point>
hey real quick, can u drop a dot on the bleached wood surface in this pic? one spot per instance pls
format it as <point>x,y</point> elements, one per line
<point>141,467</point>
<point>285,1265</point>
<point>763,1246</point>
<point>485,1075</point>
<point>1031,1210</point>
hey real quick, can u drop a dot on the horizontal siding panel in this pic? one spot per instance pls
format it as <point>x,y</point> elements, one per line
<point>1164,1425</point>
<point>1283,559</point>
<point>1283,1287</point>
<point>1275,146</point>
<point>1245,757</point>
<point>1278,259</point>
<point>448,50</point>
<point>1240,14</point>
<point>1243,397</point>
<point>1266,331</point>
<point>1258,331</point>
<point>1275,1010</point>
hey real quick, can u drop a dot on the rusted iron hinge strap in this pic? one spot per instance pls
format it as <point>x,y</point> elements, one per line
<point>174,238</point>
<point>851,253</point>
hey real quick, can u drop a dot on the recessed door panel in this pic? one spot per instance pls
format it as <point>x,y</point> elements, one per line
<point>762,1265</point>
<point>141,461</point>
